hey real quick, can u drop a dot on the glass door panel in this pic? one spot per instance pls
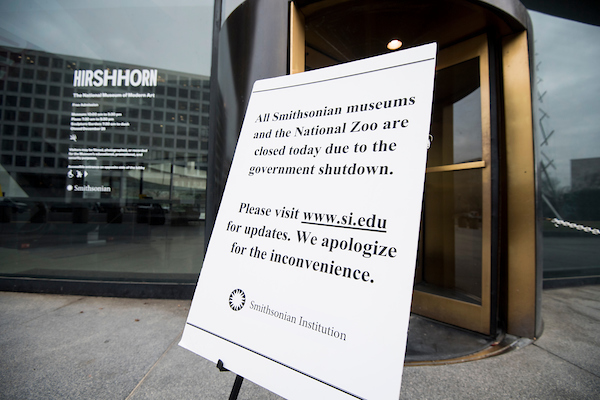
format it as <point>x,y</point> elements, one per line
<point>456,119</point>
<point>452,236</point>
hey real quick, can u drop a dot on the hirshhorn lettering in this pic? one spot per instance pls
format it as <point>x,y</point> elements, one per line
<point>115,77</point>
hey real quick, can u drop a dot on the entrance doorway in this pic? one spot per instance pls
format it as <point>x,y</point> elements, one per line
<point>457,276</point>
<point>477,267</point>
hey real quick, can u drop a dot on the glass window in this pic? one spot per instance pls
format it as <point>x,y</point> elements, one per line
<point>39,103</point>
<point>42,75</point>
<point>24,116</point>
<point>12,86</point>
<point>22,145</point>
<point>92,136</point>
<point>28,73</point>
<point>23,130</point>
<point>98,165</point>
<point>40,89</point>
<point>51,133</point>
<point>21,161</point>
<point>52,119</point>
<point>54,91</point>
<point>7,145</point>
<point>25,102</point>
<point>53,104</point>
<point>37,132</point>
<point>10,115</point>
<point>134,113</point>
<point>14,72</point>
<point>35,161</point>
<point>566,121</point>
<point>36,147</point>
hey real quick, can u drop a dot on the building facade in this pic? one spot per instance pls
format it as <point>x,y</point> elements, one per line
<point>118,125</point>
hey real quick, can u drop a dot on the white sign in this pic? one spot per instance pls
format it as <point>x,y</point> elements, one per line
<point>307,281</point>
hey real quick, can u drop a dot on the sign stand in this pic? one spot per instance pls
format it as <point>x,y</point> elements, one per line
<point>237,384</point>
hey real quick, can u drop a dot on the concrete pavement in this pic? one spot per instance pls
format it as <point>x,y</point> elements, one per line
<point>75,347</point>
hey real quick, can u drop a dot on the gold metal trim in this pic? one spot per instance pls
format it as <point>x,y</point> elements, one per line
<point>520,181</point>
<point>456,167</point>
<point>297,40</point>
<point>502,345</point>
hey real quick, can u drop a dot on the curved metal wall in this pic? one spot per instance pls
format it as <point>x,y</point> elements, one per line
<point>252,44</point>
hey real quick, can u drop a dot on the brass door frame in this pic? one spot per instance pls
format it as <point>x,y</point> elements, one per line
<point>523,269</point>
<point>468,315</point>
<point>297,41</point>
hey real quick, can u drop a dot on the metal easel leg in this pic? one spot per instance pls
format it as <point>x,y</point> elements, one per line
<point>235,390</point>
<point>237,384</point>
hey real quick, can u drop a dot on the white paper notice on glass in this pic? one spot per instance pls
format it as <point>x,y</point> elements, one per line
<point>307,281</point>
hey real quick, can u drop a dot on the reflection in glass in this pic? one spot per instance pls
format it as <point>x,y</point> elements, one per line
<point>90,186</point>
<point>566,120</point>
<point>456,121</point>
<point>451,248</point>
